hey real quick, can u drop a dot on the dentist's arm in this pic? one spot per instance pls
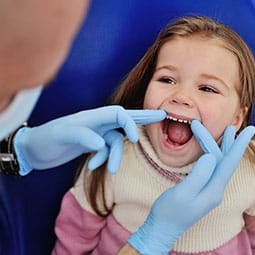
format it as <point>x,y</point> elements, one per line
<point>66,138</point>
<point>200,192</point>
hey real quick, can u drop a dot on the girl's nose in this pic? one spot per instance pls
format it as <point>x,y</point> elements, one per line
<point>182,98</point>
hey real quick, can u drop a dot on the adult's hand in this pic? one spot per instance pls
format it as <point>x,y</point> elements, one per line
<point>231,147</point>
<point>200,192</point>
<point>64,139</point>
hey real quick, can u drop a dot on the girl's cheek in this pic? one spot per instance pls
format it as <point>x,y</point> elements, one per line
<point>152,101</point>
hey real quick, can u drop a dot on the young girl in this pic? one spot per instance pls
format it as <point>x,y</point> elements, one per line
<point>196,69</point>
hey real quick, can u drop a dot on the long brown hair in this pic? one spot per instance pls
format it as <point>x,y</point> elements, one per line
<point>131,92</point>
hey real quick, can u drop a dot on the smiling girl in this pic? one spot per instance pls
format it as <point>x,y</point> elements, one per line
<point>196,69</point>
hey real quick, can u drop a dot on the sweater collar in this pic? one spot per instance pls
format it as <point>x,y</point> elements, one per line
<point>176,173</point>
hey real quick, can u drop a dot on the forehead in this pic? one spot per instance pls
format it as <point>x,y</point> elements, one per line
<point>196,54</point>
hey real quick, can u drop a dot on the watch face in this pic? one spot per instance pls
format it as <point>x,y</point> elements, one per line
<point>6,157</point>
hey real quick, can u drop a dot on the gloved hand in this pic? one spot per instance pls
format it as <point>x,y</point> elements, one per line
<point>114,145</point>
<point>64,139</point>
<point>201,191</point>
<point>230,146</point>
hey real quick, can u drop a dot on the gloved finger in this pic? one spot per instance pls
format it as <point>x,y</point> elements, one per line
<point>230,161</point>
<point>138,117</point>
<point>144,117</point>
<point>115,142</point>
<point>205,139</point>
<point>128,124</point>
<point>201,173</point>
<point>212,193</point>
<point>228,139</point>
<point>79,135</point>
<point>99,158</point>
<point>214,190</point>
<point>117,117</point>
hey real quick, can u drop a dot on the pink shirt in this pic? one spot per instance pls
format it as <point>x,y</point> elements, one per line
<point>80,232</point>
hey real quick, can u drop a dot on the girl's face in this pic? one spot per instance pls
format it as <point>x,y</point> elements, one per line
<point>194,79</point>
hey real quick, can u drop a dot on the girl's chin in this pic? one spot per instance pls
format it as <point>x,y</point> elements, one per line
<point>180,158</point>
<point>177,163</point>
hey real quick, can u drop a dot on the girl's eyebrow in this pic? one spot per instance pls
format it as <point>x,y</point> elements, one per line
<point>213,77</point>
<point>169,67</point>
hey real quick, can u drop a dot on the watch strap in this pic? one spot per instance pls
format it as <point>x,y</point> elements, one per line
<point>9,164</point>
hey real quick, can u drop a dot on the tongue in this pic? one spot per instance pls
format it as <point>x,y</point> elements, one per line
<point>178,133</point>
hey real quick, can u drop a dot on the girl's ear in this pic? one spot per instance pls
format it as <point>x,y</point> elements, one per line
<point>237,122</point>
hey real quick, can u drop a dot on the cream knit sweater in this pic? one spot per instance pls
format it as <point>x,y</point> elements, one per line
<point>137,184</point>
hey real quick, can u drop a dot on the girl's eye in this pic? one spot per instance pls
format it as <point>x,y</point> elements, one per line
<point>209,89</point>
<point>167,80</point>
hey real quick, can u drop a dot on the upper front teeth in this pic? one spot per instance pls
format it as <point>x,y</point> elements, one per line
<point>179,120</point>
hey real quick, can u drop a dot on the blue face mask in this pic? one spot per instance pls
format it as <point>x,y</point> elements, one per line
<point>18,111</point>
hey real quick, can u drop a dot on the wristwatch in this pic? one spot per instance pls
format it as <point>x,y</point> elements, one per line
<point>9,164</point>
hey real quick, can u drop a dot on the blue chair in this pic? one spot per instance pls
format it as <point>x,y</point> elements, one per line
<point>112,39</point>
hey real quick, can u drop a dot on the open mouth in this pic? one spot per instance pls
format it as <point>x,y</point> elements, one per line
<point>177,131</point>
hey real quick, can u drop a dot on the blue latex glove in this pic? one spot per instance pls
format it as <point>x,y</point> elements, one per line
<point>114,146</point>
<point>201,191</point>
<point>64,139</point>
<point>230,146</point>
